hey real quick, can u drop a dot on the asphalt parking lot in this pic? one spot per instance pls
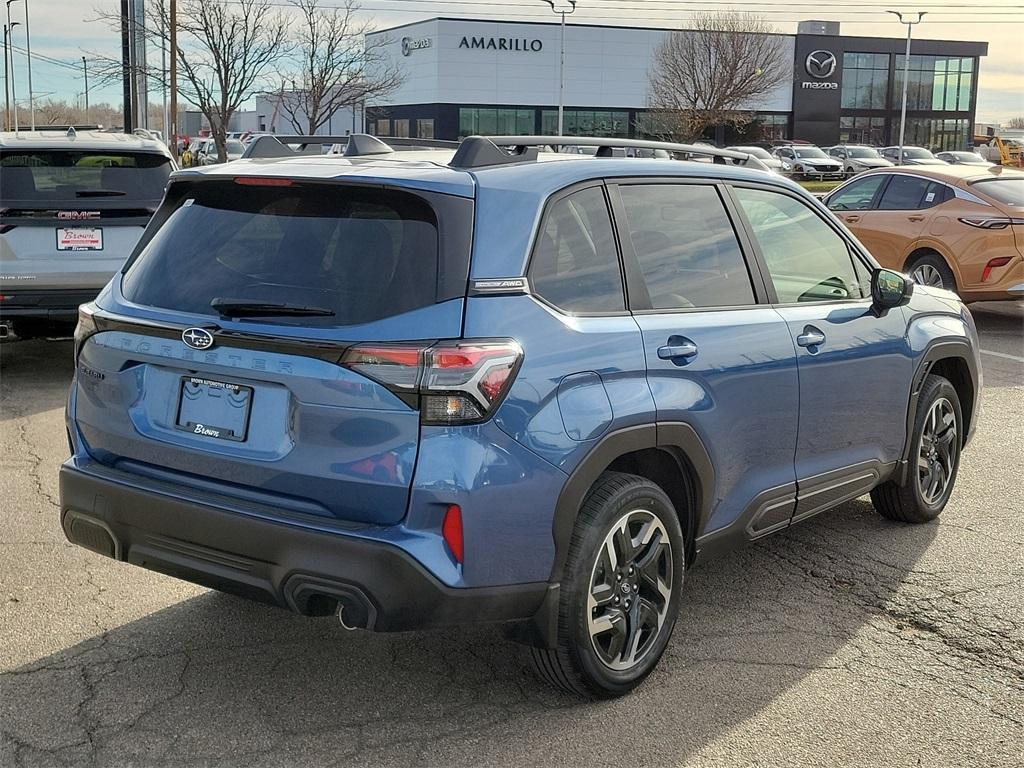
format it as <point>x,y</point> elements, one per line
<point>848,640</point>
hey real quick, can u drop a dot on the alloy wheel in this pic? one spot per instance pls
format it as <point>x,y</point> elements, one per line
<point>630,590</point>
<point>938,451</point>
<point>926,274</point>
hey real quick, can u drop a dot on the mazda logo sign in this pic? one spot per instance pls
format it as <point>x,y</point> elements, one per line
<point>197,338</point>
<point>820,64</point>
<point>409,45</point>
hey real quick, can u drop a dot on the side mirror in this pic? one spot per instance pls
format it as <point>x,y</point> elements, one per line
<point>890,289</point>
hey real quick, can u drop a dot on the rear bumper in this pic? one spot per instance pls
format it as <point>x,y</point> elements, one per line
<point>381,586</point>
<point>56,305</point>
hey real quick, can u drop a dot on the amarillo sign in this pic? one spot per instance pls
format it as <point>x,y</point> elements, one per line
<point>521,44</point>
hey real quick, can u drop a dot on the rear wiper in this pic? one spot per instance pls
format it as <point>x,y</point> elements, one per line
<point>99,193</point>
<point>238,308</point>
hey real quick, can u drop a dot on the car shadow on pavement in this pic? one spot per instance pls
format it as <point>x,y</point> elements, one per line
<point>216,680</point>
<point>35,377</point>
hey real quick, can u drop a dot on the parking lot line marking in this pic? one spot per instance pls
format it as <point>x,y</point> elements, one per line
<point>1018,358</point>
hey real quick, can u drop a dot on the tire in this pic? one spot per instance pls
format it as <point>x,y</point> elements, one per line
<point>627,642</point>
<point>931,269</point>
<point>934,458</point>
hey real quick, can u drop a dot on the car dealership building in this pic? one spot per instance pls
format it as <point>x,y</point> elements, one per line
<point>465,76</point>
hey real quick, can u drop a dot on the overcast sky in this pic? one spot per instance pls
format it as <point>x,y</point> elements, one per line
<point>65,30</point>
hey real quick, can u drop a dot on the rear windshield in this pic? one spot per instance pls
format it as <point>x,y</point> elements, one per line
<point>57,176</point>
<point>362,254</point>
<point>1008,191</point>
<point>916,153</point>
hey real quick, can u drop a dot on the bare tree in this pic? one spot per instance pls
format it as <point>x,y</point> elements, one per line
<point>59,112</point>
<point>336,67</point>
<point>1015,122</point>
<point>709,74</point>
<point>226,48</point>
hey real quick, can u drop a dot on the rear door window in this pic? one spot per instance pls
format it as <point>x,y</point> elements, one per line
<point>575,263</point>
<point>904,193</point>
<point>56,177</point>
<point>362,254</point>
<point>686,246</point>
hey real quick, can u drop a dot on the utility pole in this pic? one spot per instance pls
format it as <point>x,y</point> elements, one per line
<point>126,68</point>
<point>906,76</point>
<point>28,49</point>
<point>10,33</point>
<point>85,73</point>
<point>7,89</point>
<point>166,126</point>
<point>174,79</point>
<point>561,60</point>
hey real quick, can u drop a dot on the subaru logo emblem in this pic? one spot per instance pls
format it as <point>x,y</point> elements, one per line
<point>197,338</point>
<point>820,64</point>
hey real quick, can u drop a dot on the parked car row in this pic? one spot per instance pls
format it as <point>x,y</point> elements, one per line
<point>806,161</point>
<point>203,151</point>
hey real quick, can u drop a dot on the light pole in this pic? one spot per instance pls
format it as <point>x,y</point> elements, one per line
<point>561,59</point>
<point>173,21</point>
<point>906,76</point>
<point>85,73</point>
<point>28,53</point>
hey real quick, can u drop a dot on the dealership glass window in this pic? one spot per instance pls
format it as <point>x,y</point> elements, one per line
<point>383,128</point>
<point>774,126</point>
<point>587,122</point>
<point>488,121</point>
<point>425,128</point>
<point>865,80</point>
<point>402,129</point>
<point>859,129</point>
<point>937,83</point>
<point>938,134</point>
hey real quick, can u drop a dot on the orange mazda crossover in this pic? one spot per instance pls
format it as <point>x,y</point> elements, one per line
<point>954,227</point>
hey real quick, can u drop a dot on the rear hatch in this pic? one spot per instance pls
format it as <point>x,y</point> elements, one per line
<point>69,218</point>
<point>266,342</point>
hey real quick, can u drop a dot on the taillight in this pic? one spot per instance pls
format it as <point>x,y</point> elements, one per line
<point>999,261</point>
<point>990,222</point>
<point>86,327</point>
<point>458,382</point>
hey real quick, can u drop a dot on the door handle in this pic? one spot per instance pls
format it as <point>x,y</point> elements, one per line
<point>852,218</point>
<point>676,348</point>
<point>915,217</point>
<point>811,337</point>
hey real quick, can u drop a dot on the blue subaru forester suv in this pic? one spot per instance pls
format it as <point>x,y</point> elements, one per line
<point>498,383</point>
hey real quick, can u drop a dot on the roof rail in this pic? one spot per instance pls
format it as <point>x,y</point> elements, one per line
<point>482,151</point>
<point>356,145</point>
